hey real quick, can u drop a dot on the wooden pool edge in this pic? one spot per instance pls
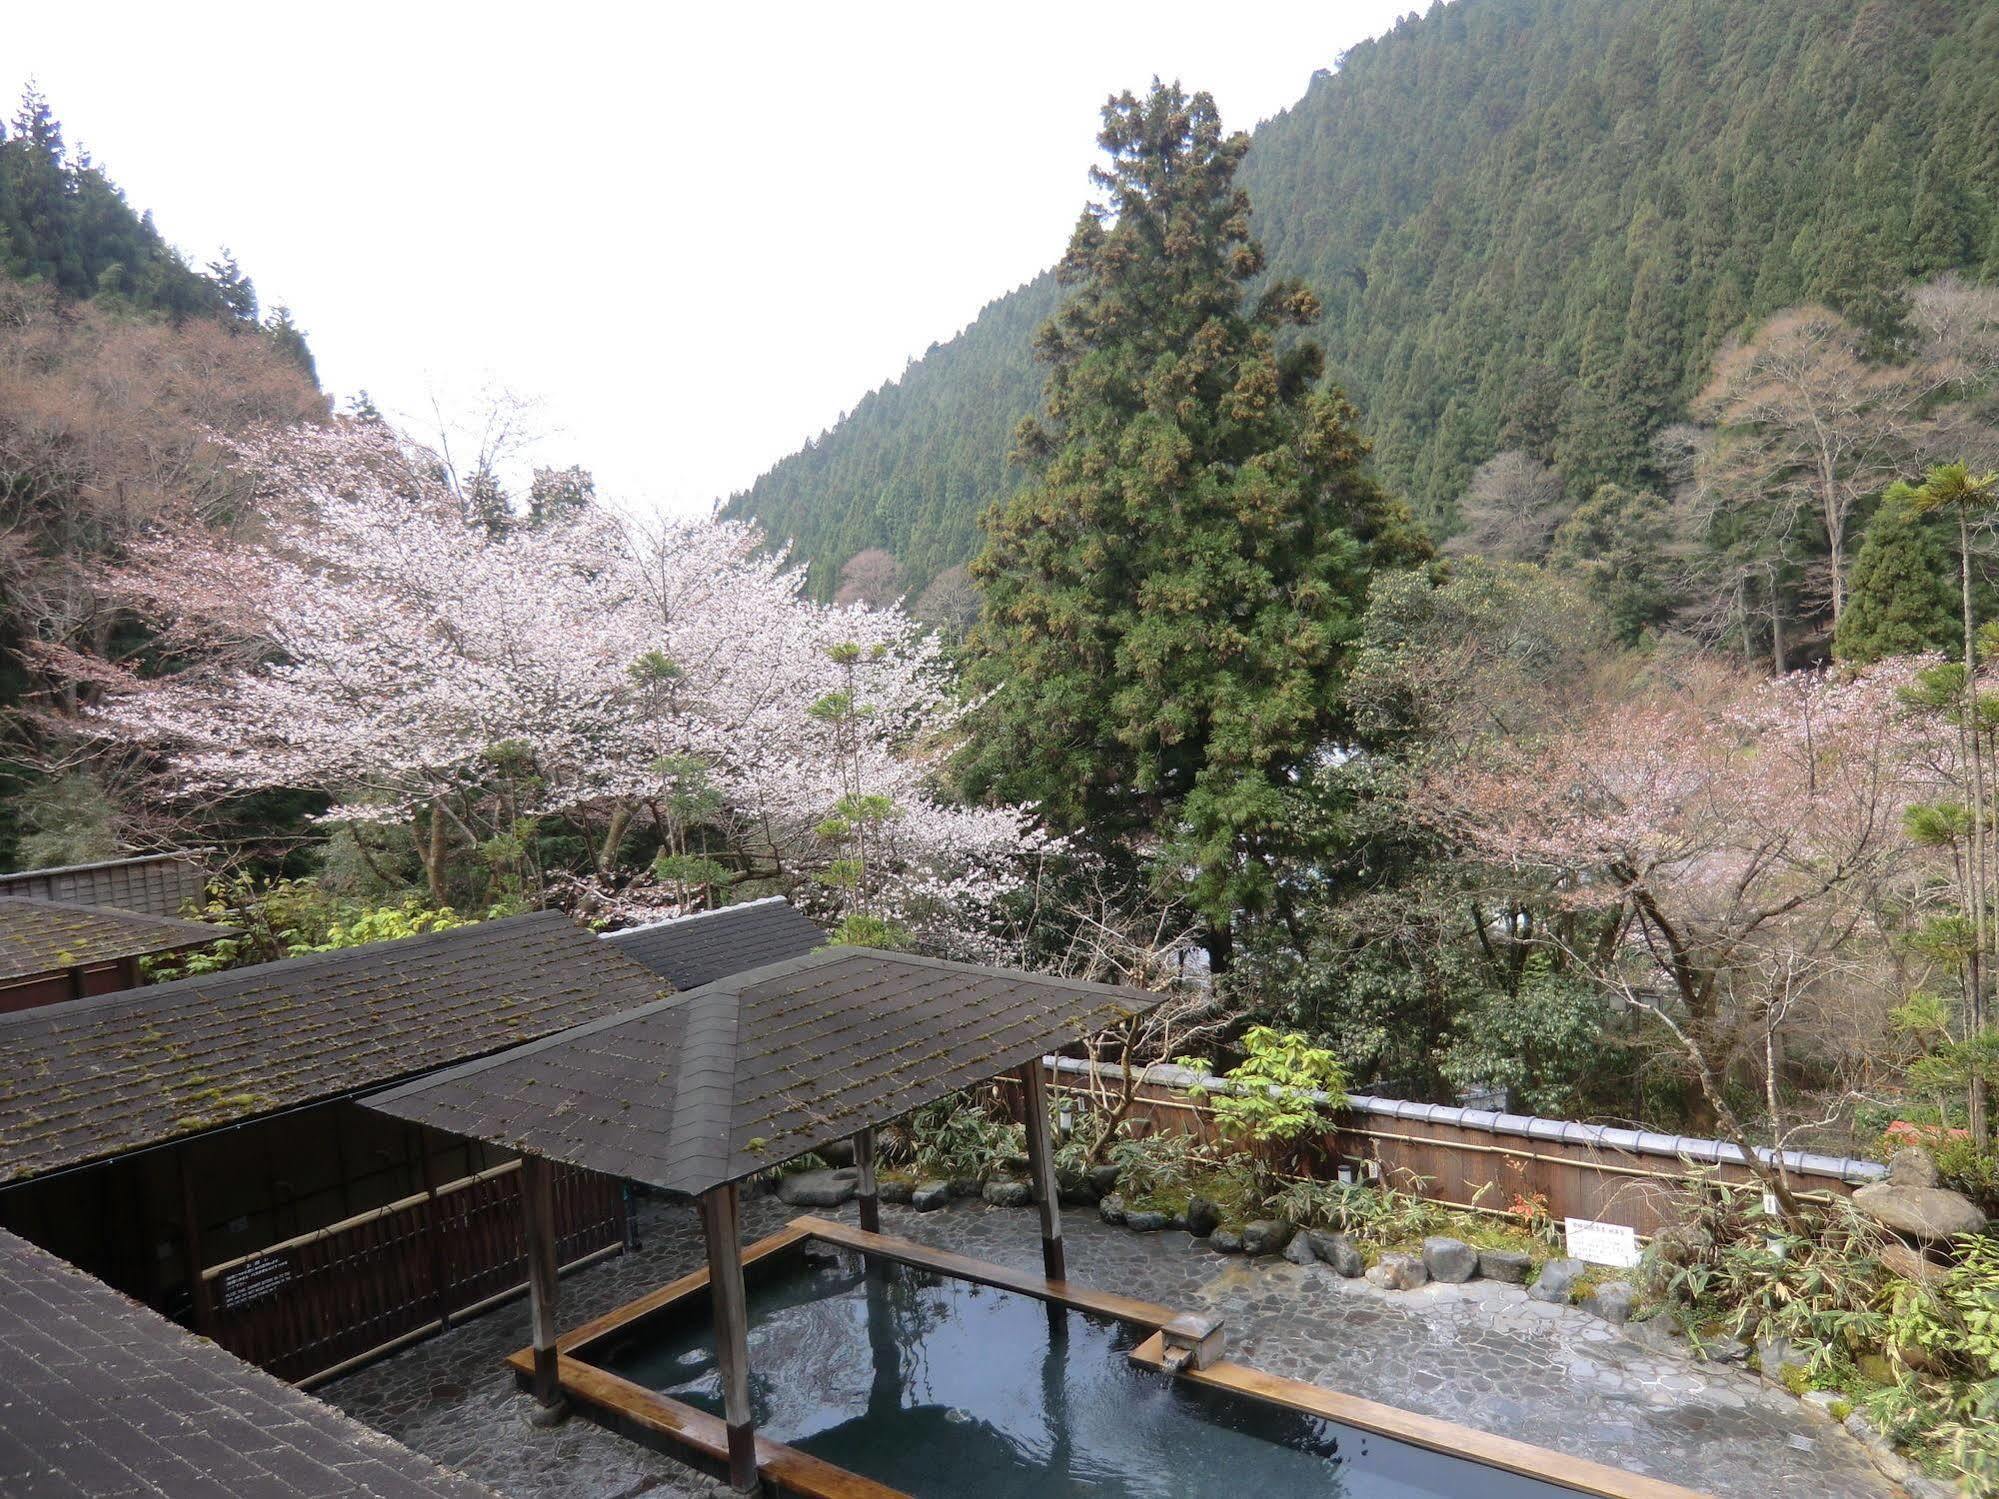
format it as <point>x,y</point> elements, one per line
<point>651,1417</point>
<point>1448,1437</point>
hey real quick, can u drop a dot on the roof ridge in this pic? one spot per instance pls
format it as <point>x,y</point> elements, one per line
<point>186,856</point>
<point>653,926</point>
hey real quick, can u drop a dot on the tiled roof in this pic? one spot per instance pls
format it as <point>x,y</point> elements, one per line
<point>100,1396</point>
<point>44,936</point>
<point>157,884</point>
<point>93,1078</point>
<point>690,951</point>
<point>716,1084</point>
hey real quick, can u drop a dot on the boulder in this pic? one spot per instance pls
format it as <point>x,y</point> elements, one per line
<point>1110,1207</point>
<point>1008,1194</point>
<point>1555,1281</point>
<point>1074,1189</point>
<point>930,1196</point>
<point>1398,1272</point>
<point>819,1189</point>
<point>1147,1220</point>
<point>1932,1214</point>
<point>1225,1241</point>
<point>1509,1265</point>
<point>836,1152</point>
<point>1723,1350</point>
<point>1775,1355</point>
<point>966,1186</point>
<point>1265,1236</point>
<point>1612,1302</point>
<point>1102,1179</point>
<point>1299,1251</point>
<point>1338,1251</point>
<point>1452,1261</point>
<point>896,1189</point>
<point>1912,1166</point>
<point>1661,1334</point>
<point>1203,1217</point>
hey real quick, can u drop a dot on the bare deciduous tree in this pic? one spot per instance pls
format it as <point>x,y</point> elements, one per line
<point>1511,511</point>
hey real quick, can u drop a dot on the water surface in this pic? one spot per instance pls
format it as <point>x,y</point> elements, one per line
<point>950,1390</point>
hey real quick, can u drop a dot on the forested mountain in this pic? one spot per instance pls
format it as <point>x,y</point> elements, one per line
<point>1531,223</point>
<point>118,363</point>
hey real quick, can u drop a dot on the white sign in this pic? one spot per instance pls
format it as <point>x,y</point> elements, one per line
<point>1602,1243</point>
<point>1769,1204</point>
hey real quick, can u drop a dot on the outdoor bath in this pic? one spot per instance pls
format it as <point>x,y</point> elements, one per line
<point>885,1367</point>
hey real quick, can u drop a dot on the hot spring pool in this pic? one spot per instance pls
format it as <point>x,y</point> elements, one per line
<point>947,1389</point>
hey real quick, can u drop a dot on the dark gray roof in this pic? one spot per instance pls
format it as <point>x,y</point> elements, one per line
<point>716,1084</point>
<point>45,936</point>
<point>690,951</point>
<point>157,884</point>
<point>100,1396</point>
<point>94,1078</point>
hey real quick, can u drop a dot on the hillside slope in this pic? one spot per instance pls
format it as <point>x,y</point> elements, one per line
<point>1528,219</point>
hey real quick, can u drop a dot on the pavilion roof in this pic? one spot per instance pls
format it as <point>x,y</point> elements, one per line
<point>689,951</point>
<point>90,1079</point>
<point>716,1084</point>
<point>102,1396</point>
<point>46,936</point>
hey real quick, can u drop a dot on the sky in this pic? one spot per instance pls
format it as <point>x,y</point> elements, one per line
<point>692,236</point>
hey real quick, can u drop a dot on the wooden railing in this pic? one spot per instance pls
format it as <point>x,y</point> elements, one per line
<point>323,1301</point>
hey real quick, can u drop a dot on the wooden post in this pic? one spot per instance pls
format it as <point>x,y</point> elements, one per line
<point>869,1194</point>
<point>732,1330</point>
<point>190,1214</point>
<point>538,1204</point>
<point>433,1233</point>
<point>1041,1169</point>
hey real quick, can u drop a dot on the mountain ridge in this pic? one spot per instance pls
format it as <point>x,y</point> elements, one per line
<point>1531,222</point>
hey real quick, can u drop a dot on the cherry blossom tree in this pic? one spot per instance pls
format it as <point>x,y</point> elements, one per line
<point>665,688</point>
<point>1735,837</point>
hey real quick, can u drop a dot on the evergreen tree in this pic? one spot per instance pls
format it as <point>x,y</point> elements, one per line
<point>1171,598</point>
<point>1903,599</point>
<point>1617,545</point>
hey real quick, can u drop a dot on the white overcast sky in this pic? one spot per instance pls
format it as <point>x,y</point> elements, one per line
<point>695,235</point>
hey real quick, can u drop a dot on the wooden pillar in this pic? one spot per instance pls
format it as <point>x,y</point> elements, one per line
<point>1041,1169</point>
<point>190,1217</point>
<point>538,1205</point>
<point>869,1193</point>
<point>433,1233</point>
<point>719,1222</point>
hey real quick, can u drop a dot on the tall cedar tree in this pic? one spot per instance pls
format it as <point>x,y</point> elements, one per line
<point>1170,599</point>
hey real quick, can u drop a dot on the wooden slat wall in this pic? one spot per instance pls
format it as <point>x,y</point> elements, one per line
<point>1467,1167</point>
<point>345,1292</point>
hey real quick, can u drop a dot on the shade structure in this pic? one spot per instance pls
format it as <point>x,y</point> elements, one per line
<point>712,1086</point>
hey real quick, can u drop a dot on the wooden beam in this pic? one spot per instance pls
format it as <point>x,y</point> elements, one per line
<point>1041,1169</point>
<point>190,1214</point>
<point>538,1201</point>
<point>720,1222</point>
<point>869,1194</point>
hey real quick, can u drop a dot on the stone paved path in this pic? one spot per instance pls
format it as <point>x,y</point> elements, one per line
<point>1482,1354</point>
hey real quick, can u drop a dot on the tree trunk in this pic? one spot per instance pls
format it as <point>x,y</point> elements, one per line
<point>1977,1107</point>
<point>1220,943</point>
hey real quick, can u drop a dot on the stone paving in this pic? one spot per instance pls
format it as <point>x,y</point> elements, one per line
<point>1482,1354</point>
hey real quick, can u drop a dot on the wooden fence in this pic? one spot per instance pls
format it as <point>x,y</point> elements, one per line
<point>312,1306</point>
<point>1480,1159</point>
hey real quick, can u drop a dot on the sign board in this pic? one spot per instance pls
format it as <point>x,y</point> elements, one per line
<point>1597,1243</point>
<point>1769,1204</point>
<point>254,1279</point>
